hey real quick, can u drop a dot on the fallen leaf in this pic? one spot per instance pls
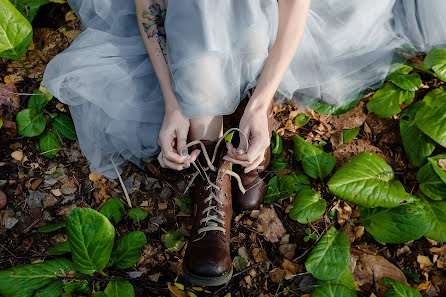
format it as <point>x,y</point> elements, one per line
<point>56,192</point>
<point>290,266</point>
<point>270,225</point>
<point>424,261</point>
<point>347,151</point>
<point>7,219</point>
<point>288,250</point>
<point>277,275</point>
<point>259,255</point>
<point>175,291</point>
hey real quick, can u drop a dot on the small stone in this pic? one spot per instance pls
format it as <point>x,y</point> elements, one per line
<point>288,250</point>
<point>135,274</point>
<point>255,214</point>
<point>154,277</point>
<point>34,199</point>
<point>49,201</point>
<point>162,206</point>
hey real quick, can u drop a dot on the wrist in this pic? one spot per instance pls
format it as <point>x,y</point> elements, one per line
<point>259,104</point>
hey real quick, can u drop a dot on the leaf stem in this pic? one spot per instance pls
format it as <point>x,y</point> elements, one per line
<point>23,65</point>
<point>103,273</point>
<point>422,69</point>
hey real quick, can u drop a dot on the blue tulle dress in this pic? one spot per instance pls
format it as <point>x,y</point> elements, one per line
<point>216,50</point>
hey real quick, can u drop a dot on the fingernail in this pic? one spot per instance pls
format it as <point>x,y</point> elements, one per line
<point>247,171</point>
<point>185,166</point>
<point>227,145</point>
<point>183,152</point>
<point>240,151</point>
<point>226,159</point>
<point>188,157</point>
<point>198,153</point>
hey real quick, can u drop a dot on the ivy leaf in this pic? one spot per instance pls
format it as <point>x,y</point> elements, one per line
<point>438,170</point>
<point>331,256</point>
<point>399,68</point>
<point>273,190</point>
<point>324,108</point>
<point>436,59</point>
<point>293,183</point>
<point>128,250</point>
<point>301,120</point>
<point>174,240</point>
<point>53,227</point>
<point>91,238</point>
<point>315,162</point>
<point>119,289</point>
<point>398,289</point>
<point>113,209</point>
<point>29,8</point>
<point>396,225</point>
<point>24,281</point>
<point>431,117</point>
<point>30,122</point>
<point>81,287</point>
<point>367,181</point>
<point>437,213</point>
<point>65,126</point>
<point>16,33</point>
<point>37,102</point>
<point>386,101</point>
<point>278,164</point>
<point>50,143</point>
<point>138,214</point>
<point>349,134</point>
<point>342,286</point>
<point>430,183</point>
<point>308,206</point>
<point>276,144</point>
<point>60,249</point>
<point>407,82</point>
<point>417,145</point>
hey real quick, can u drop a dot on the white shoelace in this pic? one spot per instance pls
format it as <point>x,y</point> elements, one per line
<point>213,222</point>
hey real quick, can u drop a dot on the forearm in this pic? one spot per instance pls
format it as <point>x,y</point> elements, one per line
<point>292,19</point>
<point>150,14</point>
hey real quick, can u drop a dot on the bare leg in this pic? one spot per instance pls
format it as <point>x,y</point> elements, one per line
<point>206,128</point>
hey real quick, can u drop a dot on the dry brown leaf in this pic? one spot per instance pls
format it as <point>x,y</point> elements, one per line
<point>424,261</point>
<point>369,269</point>
<point>175,291</point>
<point>68,188</point>
<point>344,211</point>
<point>17,155</point>
<point>56,192</point>
<point>277,275</point>
<point>94,176</point>
<point>293,268</point>
<point>347,151</point>
<point>378,125</point>
<point>270,225</point>
<point>288,250</point>
<point>259,255</point>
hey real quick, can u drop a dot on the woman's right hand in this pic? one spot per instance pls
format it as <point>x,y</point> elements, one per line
<point>172,138</point>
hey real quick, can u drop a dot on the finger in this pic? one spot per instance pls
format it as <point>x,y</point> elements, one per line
<point>231,149</point>
<point>170,154</point>
<point>175,166</point>
<point>257,147</point>
<point>255,164</point>
<point>243,145</point>
<point>181,143</point>
<point>236,161</point>
<point>194,155</point>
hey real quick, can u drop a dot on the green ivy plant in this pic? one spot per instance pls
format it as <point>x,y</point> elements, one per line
<point>32,122</point>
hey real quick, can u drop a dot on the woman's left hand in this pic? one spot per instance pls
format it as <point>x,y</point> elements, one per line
<point>254,123</point>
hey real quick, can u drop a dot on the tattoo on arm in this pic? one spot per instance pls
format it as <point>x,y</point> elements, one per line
<point>153,24</point>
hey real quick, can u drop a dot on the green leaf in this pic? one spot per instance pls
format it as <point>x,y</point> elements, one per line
<point>431,117</point>
<point>113,209</point>
<point>437,213</point>
<point>430,183</point>
<point>81,287</point>
<point>240,263</point>
<point>273,190</point>
<point>16,33</point>
<point>324,108</point>
<point>52,290</point>
<point>436,59</point>
<point>308,206</point>
<point>434,161</point>
<point>65,126</point>
<point>407,82</point>
<point>417,145</point>
<point>396,225</point>
<point>30,122</point>
<point>301,120</point>
<point>315,162</point>
<point>366,180</point>
<point>342,286</point>
<point>331,256</point>
<point>278,164</point>
<point>23,281</point>
<point>53,227</point>
<point>60,249</point>
<point>174,240</point>
<point>399,68</point>
<point>29,8</point>
<point>398,289</point>
<point>100,294</point>
<point>386,101</point>
<point>138,214</point>
<point>119,289</point>
<point>128,250</point>
<point>91,238</point>
<point>276,144</point>
<point>37,102</point>
<point>292,184</point>
<point>349,134</point>
<point>50,143</point>
<point>1,123</point>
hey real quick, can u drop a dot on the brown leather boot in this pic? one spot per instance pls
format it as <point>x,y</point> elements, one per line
<point>207,261</point>
<point>255,186</point>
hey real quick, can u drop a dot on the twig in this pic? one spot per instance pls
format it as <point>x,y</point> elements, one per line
<point>122,184</point>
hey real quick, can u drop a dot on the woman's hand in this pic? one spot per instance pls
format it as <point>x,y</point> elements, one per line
<point>254,123</point>
<point>172,138</point>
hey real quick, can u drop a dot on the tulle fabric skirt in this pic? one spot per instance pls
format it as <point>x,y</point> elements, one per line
<point>216,50</point>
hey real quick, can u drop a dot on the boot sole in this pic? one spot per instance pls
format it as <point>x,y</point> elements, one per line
<point>207,281</point>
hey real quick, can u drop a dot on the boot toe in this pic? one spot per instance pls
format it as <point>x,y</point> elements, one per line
<point>206,261</point>
<point>252,198</point>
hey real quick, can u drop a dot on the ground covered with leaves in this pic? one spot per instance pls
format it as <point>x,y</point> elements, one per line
<point>355,203</point>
